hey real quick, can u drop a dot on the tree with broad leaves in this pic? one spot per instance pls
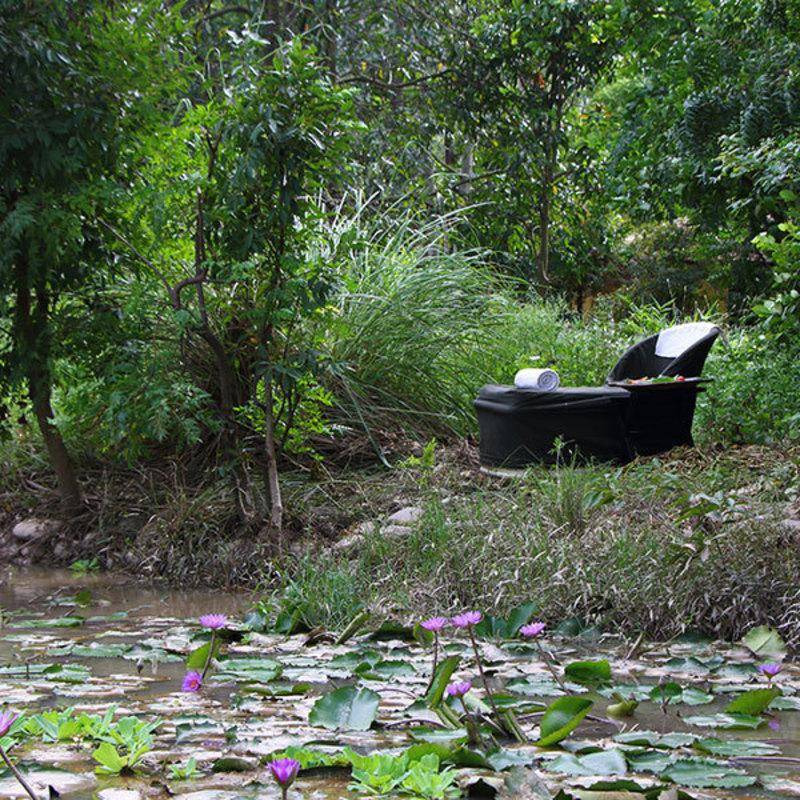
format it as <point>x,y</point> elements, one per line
<point>71,79</point>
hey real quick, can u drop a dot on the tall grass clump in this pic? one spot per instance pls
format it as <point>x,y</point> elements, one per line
<point>415,324</point>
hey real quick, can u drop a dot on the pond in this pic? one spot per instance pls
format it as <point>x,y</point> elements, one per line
<point>642,720</point>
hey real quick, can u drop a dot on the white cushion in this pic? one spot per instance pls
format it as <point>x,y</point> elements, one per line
<point>674,341</point>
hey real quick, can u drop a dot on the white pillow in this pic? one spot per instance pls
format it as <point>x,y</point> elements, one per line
<point>674,341</point>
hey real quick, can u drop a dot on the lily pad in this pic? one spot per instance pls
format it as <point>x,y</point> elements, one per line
<point>347,708</point>
<point>561,718</point>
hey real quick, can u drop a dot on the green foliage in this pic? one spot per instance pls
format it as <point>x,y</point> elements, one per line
<point>561,718</point>
<point>390,776</point>
<point>184,772</point>
<point>781,311</point>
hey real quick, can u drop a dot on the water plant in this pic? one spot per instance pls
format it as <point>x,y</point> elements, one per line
<point>284,771</point>
<point>434,625</point>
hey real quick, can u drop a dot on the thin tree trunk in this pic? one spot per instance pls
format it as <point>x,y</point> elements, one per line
<point>543,257</point>
<point>33,339</point>
<point>273,484</point>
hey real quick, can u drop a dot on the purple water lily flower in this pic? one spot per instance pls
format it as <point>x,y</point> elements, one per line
<point>770,670</point>
<point>192,682</point>
<point>434,624</point>
<point>467,619</point>
<point>6,721</point>
<point>774,725</point>
<point>458,688</point>
<point>532,630</point>
<point>284,771</point>
<point>213,621</point>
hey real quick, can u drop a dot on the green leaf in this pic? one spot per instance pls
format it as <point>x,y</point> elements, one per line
<point>59,622</point>
<point>764,641</point>
<point>589,673</point>
<point>605,762</point>
<point>110,761</point>
<point>249,670</point>
<point>736,747</point>
<point>731,722</point>
<point>561,718</point>
<point>753,702</point>
<point>705,773</point>
<point>346,708</point>
<point>441,677</point>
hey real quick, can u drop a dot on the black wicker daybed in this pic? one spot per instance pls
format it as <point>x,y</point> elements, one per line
<point>615,422</point>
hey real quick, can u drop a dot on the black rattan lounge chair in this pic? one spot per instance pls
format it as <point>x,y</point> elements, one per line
<point>614,422</point>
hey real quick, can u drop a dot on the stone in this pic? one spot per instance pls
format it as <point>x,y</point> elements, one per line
<point>119,794</point>
<point>405,516</point>
<point>30,529</point>
<point>792,525</point>
<point>386,531</point>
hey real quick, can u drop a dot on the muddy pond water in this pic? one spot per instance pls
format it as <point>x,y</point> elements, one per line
<point>91,643</point>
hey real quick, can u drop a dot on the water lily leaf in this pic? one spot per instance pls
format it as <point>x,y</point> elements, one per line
<point>653,739</point>
<point>589,673</point>
<point>561,718</point>
<point>726,721</point>
<point>444,736</point>
<point>346,708</point>
<point>311,758</point>
<point>605,762</point>
<point>736,747</point>
<point>502,759</point>
<point>785,704</point>
<point>764,641</point>
<point>58,622</point>
<point>655,761</point>
<point>753,702</point>
<point>283,689</point>
<point>707,774</point>
<point>249,670</point>
<point>384,669</point>
<point>441,677</point>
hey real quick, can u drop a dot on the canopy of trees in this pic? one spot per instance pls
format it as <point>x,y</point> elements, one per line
<point>174,176</point>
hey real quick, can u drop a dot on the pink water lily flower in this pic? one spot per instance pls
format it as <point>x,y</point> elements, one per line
<point>532,630</point>
<point>434,624</point>
<point>192,682</point>
<point>467,619</point>
<point>6,721</point>
<point>284,770</point>
<point>213,621</point>
<point>458,688</point>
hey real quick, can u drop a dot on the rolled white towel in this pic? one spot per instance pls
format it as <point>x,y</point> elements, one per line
<point>543,380</point>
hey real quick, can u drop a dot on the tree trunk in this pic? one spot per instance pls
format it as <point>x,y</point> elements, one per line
<point>273,484</point>
<point>34,342</point>
<point>543,257</point>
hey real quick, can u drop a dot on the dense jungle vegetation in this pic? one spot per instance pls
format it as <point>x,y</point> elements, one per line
<point>257,258</point>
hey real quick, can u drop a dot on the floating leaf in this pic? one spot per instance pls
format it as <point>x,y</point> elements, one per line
<point>726,721</point>
<point>736,747</point>
<point>346,708</point>
<point>764,641</point>
<point>753,702</point>
<point>589,673</point>
<point>704,773</point>
<point>561,718</point>
<point>605,762</point>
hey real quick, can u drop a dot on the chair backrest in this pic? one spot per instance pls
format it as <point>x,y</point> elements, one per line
<point>680,350</point>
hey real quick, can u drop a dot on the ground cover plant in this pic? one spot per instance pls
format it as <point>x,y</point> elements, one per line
<point>453,706</point>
